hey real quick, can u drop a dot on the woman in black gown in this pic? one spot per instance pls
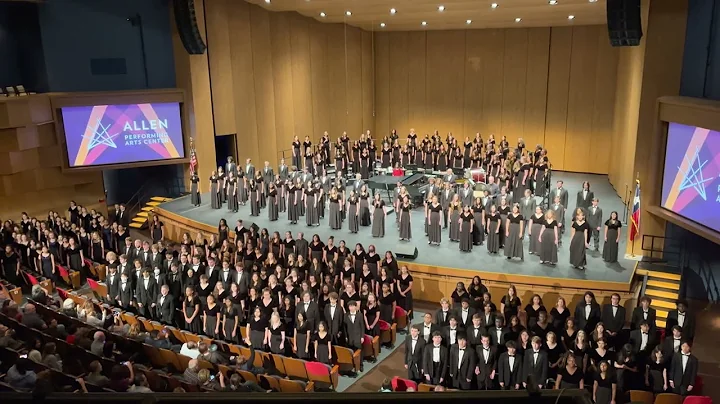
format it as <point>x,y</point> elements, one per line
<point>211,318</point>
<point>231,321</point>
<point>555,353</point>
<point>191,311</point>
<point>371,315</point>
<point>11,266</point>
<point>510,303</point>
<point>256,328</point>
<point>612,238</point>
<point>387,304</point>
<point>627,369</point>
<point>559,314</point>
<point>404,290</point>
<point>570,375</point>
<point>656,377</point>
<point>275,335</point>
<point>301,342</point>
<point>323,344</point>
<point>604,385</point>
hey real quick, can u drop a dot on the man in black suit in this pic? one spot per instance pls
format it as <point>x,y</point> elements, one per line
<point>136,273</point>
<point>128,250</point>
<point>584,199</point>
<point>476,331</point>
<point>311,310</point>
<point>486,364</point>
<point>226,275</point>
<point>587,313</point>
<point>451,332</point>
<point>435,360</point>
<point>113,285</point>
<point>643,341</point>
<point>535,364</point>
<point>145,255</point>
<point>497,333</point>
<point>158,277</point>
<point>613,316</point>
<point>465,313</point>
<point>414,347</point>
<point>174,281</point>
<point>334,318</point>
<point>510,368</point>
<point>683,371</point>
<point>165,307</point>
<point>212,272</point>
<point>427,327</point>
<point>681,317</point>
<point>125,293</point>
<point>198,268</point>
<point>123,218</point>
<point>184,264</point>
<point>644,313</point>
<point>124,265</point>
<point>302,246</point>
<point>146,294</point>
<point>168,261</point>
<point>672,343</point>
<point>446,196</point>
<point>354,327</point>
<point>461,368</point>
<point>442,315</point>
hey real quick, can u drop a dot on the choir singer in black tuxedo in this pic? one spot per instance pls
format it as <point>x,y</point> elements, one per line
<point>414,348</point>
<point>683,371</point>
<point>643,341</point>
<point>644,313</point>
<point>462,364</point>
<point>613,317</point>
<point>510,368</point>
<point>587,312</point>
<point>486,363</point>
<point>435,360</point>
<point>354,327</point>
<point>681,317</point>
<point>427,328</point>
<point>535,364</point>
<point>165,307</point>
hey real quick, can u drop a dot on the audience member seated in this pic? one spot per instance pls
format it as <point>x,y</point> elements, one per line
<point>191,373</point>
<point>50,357</point>
<point>190,350</point>
<point>31,319</point>
<point>7,339</point>
<point>88,314</point>
<point>159,339</point>
<point>140,385</point>
<point>98,345</point>
<point>213,357</point>
<point>68,308</point>
<point>95,375</point>
<point>237,385</point>
<point>21,376</point>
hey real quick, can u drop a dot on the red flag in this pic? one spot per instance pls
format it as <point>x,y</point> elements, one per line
<point>635,217</point>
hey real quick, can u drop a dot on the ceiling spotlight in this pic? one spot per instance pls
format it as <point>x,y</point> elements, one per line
<point>348,13</point>
<point>382,25</point>
<point>571,17</point>
<point>322,14</point>
<point>552,2</point>
<point>393,11</point>
<point>424,23</point>
<point>441,8</point>
<point>267,1</point>
<point>494,5</point>
<point>468,22</point>
<point>592,1</point>
<point>518,19</point>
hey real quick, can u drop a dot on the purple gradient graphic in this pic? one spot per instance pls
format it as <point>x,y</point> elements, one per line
<point>116,134</point>
<point>691,178</point>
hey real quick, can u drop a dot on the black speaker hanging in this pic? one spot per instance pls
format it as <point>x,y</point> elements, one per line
<point>187,27</point>
<point>624,22</point>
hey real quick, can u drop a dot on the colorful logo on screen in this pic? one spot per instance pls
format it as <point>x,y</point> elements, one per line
<point>110,127</point>
<point>695,171</point>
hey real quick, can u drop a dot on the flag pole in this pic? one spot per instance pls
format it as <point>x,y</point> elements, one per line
<point>635,221</point>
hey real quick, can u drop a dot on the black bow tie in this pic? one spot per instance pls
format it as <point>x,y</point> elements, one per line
<point>486,349</point>
<point>645,333</point>
<point>536,352</point>
<point>462,349</point>
<point>511,356</point>
<point>686,354</point>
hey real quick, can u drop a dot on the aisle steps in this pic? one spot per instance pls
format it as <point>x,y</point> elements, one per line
<point>140,221</point>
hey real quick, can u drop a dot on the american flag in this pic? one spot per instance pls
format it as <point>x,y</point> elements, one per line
<point>193,162</point>
<point>635,218</point>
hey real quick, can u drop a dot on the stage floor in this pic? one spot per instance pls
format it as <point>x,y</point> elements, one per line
<point>448,253</point>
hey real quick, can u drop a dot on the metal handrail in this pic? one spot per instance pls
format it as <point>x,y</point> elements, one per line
<point>706,274</point>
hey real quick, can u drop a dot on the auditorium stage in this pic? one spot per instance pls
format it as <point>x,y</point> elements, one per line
<point>446,259</point>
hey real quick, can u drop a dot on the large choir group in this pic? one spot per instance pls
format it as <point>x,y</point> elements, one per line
<point>509,210</point>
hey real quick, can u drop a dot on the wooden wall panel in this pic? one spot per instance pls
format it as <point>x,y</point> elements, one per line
<point>474,81</point>
<point>493,65</point>
<point>399,102</point>
<point>536,85</point>
<point>320,83</point>
<point>382,84</point>
<point>581,97</point>
<point>605,82</point>
<point>354,123</point>
<point>416,44</point>
<point>302,106</point>
<point>557,95</point>
<point>337,74</point>
<point>264,88</point>
<point>515,75</point>
<point>282,81</point>
<point>218,38</point>
<point>445,80</point>
<point>368,81</point>
<point>243,81</point>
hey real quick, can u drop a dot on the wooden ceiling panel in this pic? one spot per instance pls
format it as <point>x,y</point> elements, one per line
<point>370,14</point>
